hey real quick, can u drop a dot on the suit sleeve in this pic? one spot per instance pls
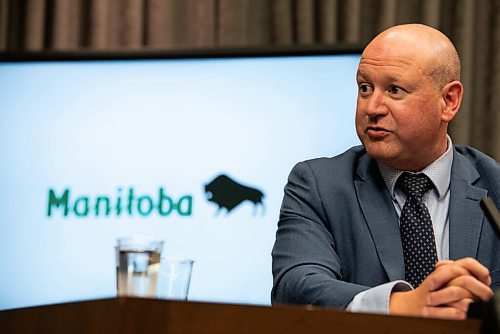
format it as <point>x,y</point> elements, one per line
<point>306,267</point>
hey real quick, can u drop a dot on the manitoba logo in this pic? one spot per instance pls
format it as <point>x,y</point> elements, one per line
<point>121,203</point>
<point>228,194</point>
<point>223,191</point>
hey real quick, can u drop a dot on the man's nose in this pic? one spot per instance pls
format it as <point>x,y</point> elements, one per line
<point>375,105</point>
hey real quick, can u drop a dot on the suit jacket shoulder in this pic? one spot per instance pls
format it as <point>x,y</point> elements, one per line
<point>343,168</point>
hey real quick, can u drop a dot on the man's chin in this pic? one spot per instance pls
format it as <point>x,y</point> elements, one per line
<point>382,153</point>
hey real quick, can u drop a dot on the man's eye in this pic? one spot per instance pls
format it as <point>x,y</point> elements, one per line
<point>365,89</point>
<point>395,90</point>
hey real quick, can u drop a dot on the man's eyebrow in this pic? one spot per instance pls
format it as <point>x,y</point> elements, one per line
<point>360,74</point>
<point>388,78</point>
<point>395,78</point>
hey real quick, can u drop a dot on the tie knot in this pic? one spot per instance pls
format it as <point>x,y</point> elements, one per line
<point>414,185</point>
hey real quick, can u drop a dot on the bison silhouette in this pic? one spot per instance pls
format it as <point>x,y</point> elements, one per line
<point>228,194</point>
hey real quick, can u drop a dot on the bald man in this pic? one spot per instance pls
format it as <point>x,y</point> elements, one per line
<point>342,238</point>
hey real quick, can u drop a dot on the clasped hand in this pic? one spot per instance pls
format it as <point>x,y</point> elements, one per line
<point>446,292</point>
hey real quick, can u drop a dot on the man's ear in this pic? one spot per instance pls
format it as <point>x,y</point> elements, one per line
<point>452,94</point>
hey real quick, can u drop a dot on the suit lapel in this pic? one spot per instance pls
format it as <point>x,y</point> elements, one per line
<point>465,214</point>
<point>380,215</point>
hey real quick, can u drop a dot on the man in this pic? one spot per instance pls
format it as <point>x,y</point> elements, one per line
<point>348,236</point>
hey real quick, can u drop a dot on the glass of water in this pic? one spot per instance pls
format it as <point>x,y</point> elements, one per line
<point>174,278</point>
<point>138,266</point>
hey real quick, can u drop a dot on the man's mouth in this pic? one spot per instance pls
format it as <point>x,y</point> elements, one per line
<point>376,132</point>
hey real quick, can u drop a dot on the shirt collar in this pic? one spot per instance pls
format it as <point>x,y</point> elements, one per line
<point>438,171</point>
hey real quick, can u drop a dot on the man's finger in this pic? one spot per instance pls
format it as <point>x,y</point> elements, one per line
<point>462,305</point>
<point>442,276</point>
<point>475,268</point>
<point>447,295</point>
<point>478,289</point>
<point>445,313</point>
<point>443,262</point>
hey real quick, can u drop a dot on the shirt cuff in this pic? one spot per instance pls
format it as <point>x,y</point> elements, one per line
<point>376,299</point>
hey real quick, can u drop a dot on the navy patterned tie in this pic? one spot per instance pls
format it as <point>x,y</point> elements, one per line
<point>415,225</point>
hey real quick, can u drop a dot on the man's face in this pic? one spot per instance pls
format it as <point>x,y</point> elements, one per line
<point>398,113</point>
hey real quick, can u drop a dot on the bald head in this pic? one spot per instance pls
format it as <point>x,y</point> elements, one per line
<point>433,51</point>
<point>408,92</point>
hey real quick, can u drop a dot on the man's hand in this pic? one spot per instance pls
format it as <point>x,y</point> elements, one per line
<point>446,292</point>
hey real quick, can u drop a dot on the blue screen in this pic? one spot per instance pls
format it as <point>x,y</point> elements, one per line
<point>96,150</point>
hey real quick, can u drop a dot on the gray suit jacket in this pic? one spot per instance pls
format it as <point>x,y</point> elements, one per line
<point>338,232</point>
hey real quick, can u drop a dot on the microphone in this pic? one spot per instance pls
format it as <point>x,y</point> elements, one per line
<point>491,212</point>
<point>488,311</point>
